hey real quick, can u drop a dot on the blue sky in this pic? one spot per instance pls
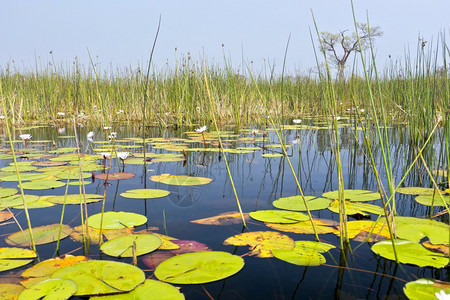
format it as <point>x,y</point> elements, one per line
<point>120,33</point>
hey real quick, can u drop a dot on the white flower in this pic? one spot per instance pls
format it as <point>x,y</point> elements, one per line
<point>297,121</point>
<point>105,154</point>
<point>442,295</point>
<point>60,114</point>
<point>113,135</point>
<point>337,118</point>
<point>25,137</point>
<point>61,130</point>
<point>255,131</point>
<point>362,110</point>
<point>90,134</point>
<point>201,129</point>
<point>123,155</point>
<point>107,127</point>
<point>121,111</point>
<point>2,117</point>
<point>81,114</point>
<point>95,106</point>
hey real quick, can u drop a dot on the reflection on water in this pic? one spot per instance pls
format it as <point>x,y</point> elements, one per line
<point>353,272</point>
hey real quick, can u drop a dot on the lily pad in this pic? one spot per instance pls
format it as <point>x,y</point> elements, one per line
<point>23,176</point>
<point>11,258</point>
<point>415,229</point>
<point>48,163</point>
<point>130,245</point>
<point>6,192</point>
<point>98,277</point>
<point>145,193</point>
<point>150,289</point>
<point>42,184</point>
<point>278,216</point>
<point>409,252</point>
<point>352,208</point>
<point>433,200</point>
<point>354,195</point>
<point>296,203</point>
<point>21,168</point>
<point>425,289</point>
<point>305,253</point>
<point>305,227</point>
<point>226,218</point>
<point>42,235</point>
<point>55,288</point>
<point>199,267</point>
<point>261,242</point>
<point>117,220</point>
<point>180,179</point>
<point>416,190</point>
<point>75,198</point>
<point>10,291</point>
<point>16,200</point>
<point>115,176</point>
<point>5,215</point>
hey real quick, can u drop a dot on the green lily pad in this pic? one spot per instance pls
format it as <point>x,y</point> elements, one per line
<point>425,289</point>
<point>305,253</point>
<point>42,235</point>
<point>180,179</point>
<point>354,195</point>
<point>40,203</point>
<point>75,198</point>
<point>433,200</point>
<point>145,193</point>
<point>352,208</point>
<point>98,277</point>
<point>11,258</point>
<point>17,200</point>
<point>409,252</point>
<point>23,176</point>
<point>199,267</point>
<point>272,155</point>
<point>416,190</point>
<point>42,184</point>
<point>48,163</point>
<point>278,216</point>
<point>117,220</point>
<point>150,289</point>
<point>21,168</point>
<point>6,192</point>
<point>296,203</point>
<point>123,246</point>
<point>55,288</point>
<point>415,229</point>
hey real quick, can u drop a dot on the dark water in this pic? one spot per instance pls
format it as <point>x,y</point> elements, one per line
<point>352,273</point>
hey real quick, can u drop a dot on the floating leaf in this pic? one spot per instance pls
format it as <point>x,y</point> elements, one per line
<point>55,288</point>
<point>77,234</point>
<point>433,200</point>
<point>305,253</point>
<point>11,258</point>
<point>180,179</point>
<point>5,215</point>
<point>363,230</point>
<point>353,195</point>
<point>185,246</point>
<point>227,218</point>
<point>410,253</point>
<point>16,200</point>
<point>48,163</point>
<point>42,184</point>
<point>75,198</point>
<point>261,242</point>
<point>425,289</point>
<point>145,193</point>
<point>117,220</point>
<point>40,203</point>
<point>115,176</point>
<point>278,216</point>
<point>6,192</point>
<point>305,227</point>
<point>42,235</point>
<point>296,203</point>
<point>416,190</point>
<point>10,291</point>
<point>97,277</point>
<point>441,248</point>
<point>353,208</point>
<point>415,229</point>
<point>23,176</point>
<point>272,155</point>
<point>127,246</point>
<point>150,289</point>
<point>21,168</point>
<point>199,267</point>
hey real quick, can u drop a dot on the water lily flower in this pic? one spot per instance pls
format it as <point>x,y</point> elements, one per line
<point>2,117</point>
<point>25,138</point>
<point>123,155</point>
<point>81,114</point>
<point>105,154</point>
<point>337,118</point>
<point>255,131</point>
<point>62,130</point>
<point>107,127</point>
<point>113,135</point>
<point>442,295</point>
<point>90,134</point>
<point>296,121</point>
<point>201,129</point>
<point>60,114</point>
<point>362,110</point>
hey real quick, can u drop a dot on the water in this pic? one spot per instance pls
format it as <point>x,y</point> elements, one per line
<point>360,274</point>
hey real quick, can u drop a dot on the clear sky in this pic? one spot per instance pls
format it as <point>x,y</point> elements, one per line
<point>120,33</point>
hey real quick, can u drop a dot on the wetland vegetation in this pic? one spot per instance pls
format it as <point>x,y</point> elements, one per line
<point>201,182</point>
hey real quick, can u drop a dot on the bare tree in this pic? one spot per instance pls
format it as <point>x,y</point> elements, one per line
<point>340,45</point>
